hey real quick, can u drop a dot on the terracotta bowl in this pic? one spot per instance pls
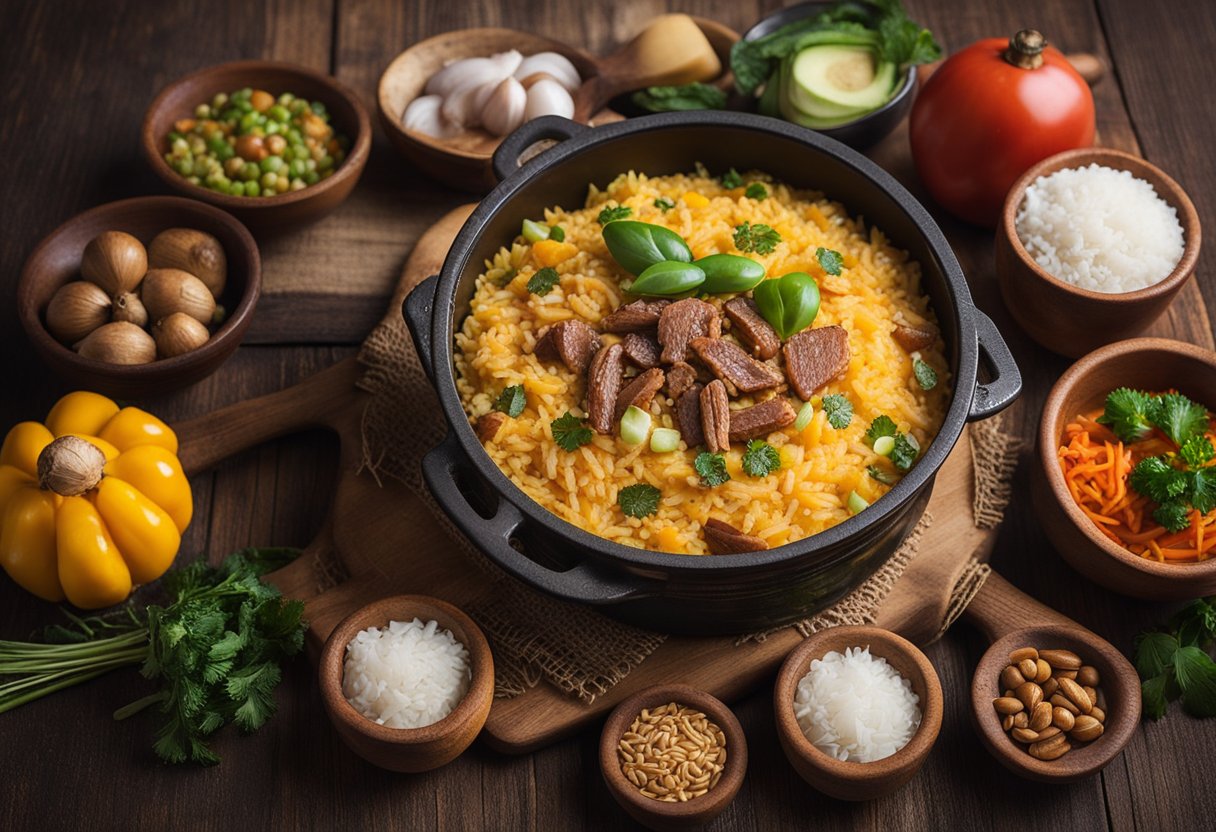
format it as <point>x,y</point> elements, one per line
<point>273,213</point>
<point>1070,320</point>
<point>1152,364</point>
<point>1119,697</point>
<point>656,814</point>
<point>408,749</point>
<point>846,780</point>
<point>56,261</point>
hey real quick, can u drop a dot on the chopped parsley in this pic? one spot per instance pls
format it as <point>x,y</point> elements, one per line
<point>839,410</point>
<point>880,427</point>
<point>731,179</point>
<point>926,376</point>
<point>570,432</point>
<point>614,212</point>
<point>543,281</point>
<point>758,238</point>
<point>639,500</point>
<point>1126,414</point>
<point>830,260</point>
<point>711,468</point>
<point>756,190</point>
<point>904,453</point>
<point>1179,417</point>
<point>511,400</point>
<point>664,204</point>
<point>884,477</point>
<point>1196,451</point>
<point>557,234</point>
<point>760,459</point>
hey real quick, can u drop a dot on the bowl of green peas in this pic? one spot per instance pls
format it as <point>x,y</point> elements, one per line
<point>275,144</point>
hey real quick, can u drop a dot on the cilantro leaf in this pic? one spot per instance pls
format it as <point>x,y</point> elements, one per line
<point>1154,653</point>
<point>1156,479</point>
<point>1196,674</point>
<point>1173,515</point>
<point>1153,696</point>
<point>1126,414</point>
<point>926,376</point>
<point>543,281</point>
<point>639,500</point>
<point>557,234</point>
<point>880,427</point>
<point>570,432</point>
<point>511,400</point>
<point>1196,451</point>
<point>884,477</point>
<point>839,410</point>
<point>664,204</point>
<point>711,468</point>
<point>830,260</point>
<point>1179,417</point>
<point>758,238</point>
<point>904,454</point>
<point>760,459</point>
<point>731,179</point>
<point>756,190</point>
<point>1202,492</point>
<point>614,212</point>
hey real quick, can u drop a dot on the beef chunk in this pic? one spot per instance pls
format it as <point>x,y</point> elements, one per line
<point>641,314</point>
<point>641,350</point>
<point>680,377</point>
<point>913,338</point>
<point>638,392</point>
<point>604,379</point>
<point>730,363</point>
<point>751,328</point>
<point>715,417</point>
<point>724,539</point>
<point>814,357</point>
<point>761,419</point>
<point>683,321</point>
<point>688,416</point>
<point>573,343</point>
<point>488,425</point>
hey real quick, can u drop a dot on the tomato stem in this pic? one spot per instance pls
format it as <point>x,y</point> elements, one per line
<point>1025,49</point>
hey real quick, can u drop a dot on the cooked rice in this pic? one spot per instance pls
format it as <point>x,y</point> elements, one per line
<point>878,288</point>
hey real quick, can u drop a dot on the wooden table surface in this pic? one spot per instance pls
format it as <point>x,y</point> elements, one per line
<point>76,78</point>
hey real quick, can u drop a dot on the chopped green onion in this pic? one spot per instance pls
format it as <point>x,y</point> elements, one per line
<point>805,414</point>
<point>857,504</point>
<point>912,441</point>
<point>883,445</point>
<point>635,425</point>
<point>534,232</point>
<point>664,440</point>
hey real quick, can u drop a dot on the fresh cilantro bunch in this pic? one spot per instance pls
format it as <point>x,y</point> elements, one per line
<point>1174,663</point>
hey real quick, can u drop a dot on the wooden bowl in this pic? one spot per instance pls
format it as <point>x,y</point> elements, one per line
<point>1153,364</point>
<point>656,814</point>
<point>408,749</point>
<point>1119,692</point>
<point>1070,320</point>
<point>846,780</point>
<point>56,261</point>
<point>288,210</point>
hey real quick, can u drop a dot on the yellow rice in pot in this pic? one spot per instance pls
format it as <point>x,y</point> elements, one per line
<point>878,288</point>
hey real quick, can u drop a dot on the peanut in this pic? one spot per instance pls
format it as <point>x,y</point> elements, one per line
<point>1011,677</point>
<point>1050,687</point>
<point>1098,714</point>
<point>1062,701</point>
<point>1088,675</point>
<point>1030,694</point>
<point>1077,695</point>
<point>1024,735</point>
<point>1085,729</point>
<point>1025,653</point>
<point>1021,720</point>
<point>1043,671</point>
<point>1009,705</point>
<point>1062,718</point>
<point>1049,754</point>
<point>1061,659</point>
<point>1050,697</point>
<point>1029,668</point>
<point>1040,717</point>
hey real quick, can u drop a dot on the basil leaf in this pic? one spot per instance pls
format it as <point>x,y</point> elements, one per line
<point>638,245</point>
<point>695,96</point>
<point>1154,653</point>
<point>1196,673</point>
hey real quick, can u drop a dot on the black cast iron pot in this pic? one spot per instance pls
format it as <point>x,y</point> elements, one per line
<point>682,593</point>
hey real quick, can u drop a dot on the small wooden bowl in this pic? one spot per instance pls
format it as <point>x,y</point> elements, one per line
<point>1152,364</point>
<point>1070,320</point>
<point>56,261</point>
<point>1120,698</point>
<point>408,749</point>
<point>288,210</point>
<point>846,780</point>
<point>656,814</point>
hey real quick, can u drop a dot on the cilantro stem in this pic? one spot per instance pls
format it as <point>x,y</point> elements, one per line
<point>20,692</point>
<point>139,704</point>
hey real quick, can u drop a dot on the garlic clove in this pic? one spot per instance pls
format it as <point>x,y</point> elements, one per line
<point>547,97</point>
<point>76,309</point>
<point>504,111</point>
<point>115,261</point>
<point>550,63</point>
<point>423,116</point>
<point>193,251</point>
<point>179,334</point>
<point>166,291</point>
<point>128,307</point>
<point>118,343</point>
<point>464,107</point>
<point>472,72</point>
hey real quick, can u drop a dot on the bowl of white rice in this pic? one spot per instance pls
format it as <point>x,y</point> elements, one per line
<point>857,710</point>
<point>1092,247</point>
<point>407,682</point>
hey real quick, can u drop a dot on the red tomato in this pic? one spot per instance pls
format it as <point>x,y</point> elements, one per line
<point>981,121</point>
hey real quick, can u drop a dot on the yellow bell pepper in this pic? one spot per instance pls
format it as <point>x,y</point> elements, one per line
<point>92,503</point>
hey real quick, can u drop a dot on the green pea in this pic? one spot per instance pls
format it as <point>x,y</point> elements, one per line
<point>726,273</point>
<point>789,303</point>
<point>667,279</point>
<point>250,171</point>
<point>312,177</point>
<point>640,245</point>
<point>251,189</point>
<point>280,113</point>
<point>248,121</point>
<point>272,164</point>
<point>269,180</point>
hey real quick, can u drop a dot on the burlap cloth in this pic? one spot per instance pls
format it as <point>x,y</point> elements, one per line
<point>589,653</point>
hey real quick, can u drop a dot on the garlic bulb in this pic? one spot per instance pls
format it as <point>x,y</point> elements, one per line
<point>472,72</point>
<point>179,334</point>
<point>423,116</point>
<point>547,97</point>
<point>166,291</point>
<point>552,64</point>
<point>504,111</point>
<point>115,261</point>
<point>118,343</point>
<point>70,466</point>
<point>77,309</point>
<point>465,106</point>
<point>193,251</point>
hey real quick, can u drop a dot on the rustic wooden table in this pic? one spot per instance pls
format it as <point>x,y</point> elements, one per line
<point>77,76</point>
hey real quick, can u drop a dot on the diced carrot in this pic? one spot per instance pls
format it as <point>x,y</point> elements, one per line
<point>694,200</point>
<point>551,252</point>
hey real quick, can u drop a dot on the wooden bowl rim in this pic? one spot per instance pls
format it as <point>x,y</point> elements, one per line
<point>330,668</point>
<point>712,802</point>
<point>1174,195</point>
<point>1049,443</point>
<point>797,664</point>
<point>232,327</point>
<point>351,167</point>
<point>1122,717</point>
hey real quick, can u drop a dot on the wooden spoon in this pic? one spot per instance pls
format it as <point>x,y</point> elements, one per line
<point>672,49</point>
<point>1012,620</point>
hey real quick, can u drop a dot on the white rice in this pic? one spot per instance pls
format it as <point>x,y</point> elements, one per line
<point>1100,229</point>
<point>856,706</point>
<point>406,675</point>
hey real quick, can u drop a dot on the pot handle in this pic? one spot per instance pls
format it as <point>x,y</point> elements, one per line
<point>418,310</point>
<point>506,157</point>
<point>586,583</point>
<point>996,395</point>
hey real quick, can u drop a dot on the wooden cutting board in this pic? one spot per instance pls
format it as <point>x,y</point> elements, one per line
<point>388,543</point>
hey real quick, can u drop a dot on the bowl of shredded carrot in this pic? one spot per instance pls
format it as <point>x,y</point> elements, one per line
<point>1127,468</point>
